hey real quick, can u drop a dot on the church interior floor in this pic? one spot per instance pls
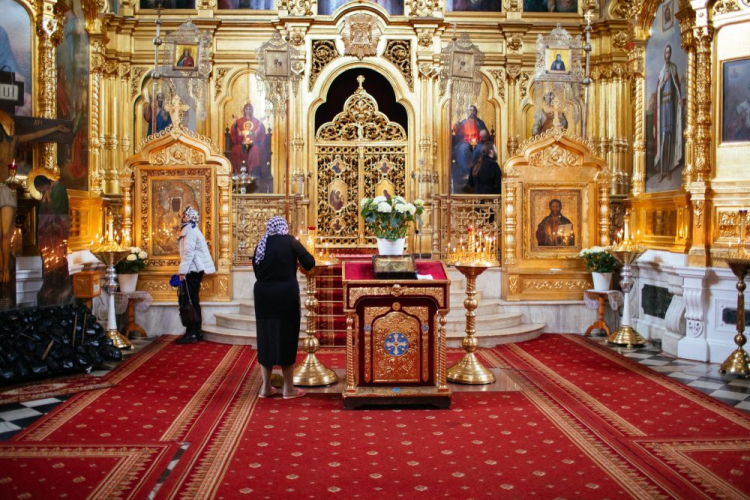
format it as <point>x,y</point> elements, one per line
<point>703,377</point>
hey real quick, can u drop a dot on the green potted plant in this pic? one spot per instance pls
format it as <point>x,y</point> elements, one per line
<point>128,269</point>
<point>601,263</point>
<point>388,218</point>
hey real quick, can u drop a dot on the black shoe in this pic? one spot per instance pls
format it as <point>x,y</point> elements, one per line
<point>187,339</point>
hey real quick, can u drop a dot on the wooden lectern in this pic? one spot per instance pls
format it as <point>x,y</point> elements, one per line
<point>396,340</point>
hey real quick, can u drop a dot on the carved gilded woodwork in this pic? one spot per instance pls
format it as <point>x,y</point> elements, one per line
<point>171,169</point>
<point>299,8</point>
<point>219,75</point>
<point>399,53</point>
<point>361,34</point>
<point>423,315</point>
<point>323,53</point>
<point>355,293</point>
<point>452,216</point>
<point>359,154</point>
<point>403,368</point>
<point>729,225</point>
<point>555,165</point>
<point>249,216</point>
<point>499,76</point>
<point>423,8</point>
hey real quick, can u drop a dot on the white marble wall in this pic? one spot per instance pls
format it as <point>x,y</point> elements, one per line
<point>693,327</point>
<point>28,280</point>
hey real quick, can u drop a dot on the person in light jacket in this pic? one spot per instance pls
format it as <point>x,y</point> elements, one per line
<point>195,261</point>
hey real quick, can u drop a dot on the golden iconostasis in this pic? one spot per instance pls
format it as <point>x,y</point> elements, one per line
<point>667,107</point>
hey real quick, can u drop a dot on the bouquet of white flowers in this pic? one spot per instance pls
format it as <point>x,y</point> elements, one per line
<point>389,218</point>
<point>598,259</point>
<point>134,262</point>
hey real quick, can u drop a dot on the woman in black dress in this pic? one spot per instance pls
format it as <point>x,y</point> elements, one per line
<point>485,175</point>
<point>277,303</point>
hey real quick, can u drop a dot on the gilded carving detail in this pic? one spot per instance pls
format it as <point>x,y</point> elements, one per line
<point>390,368</point>
<point>620,39</point>
<point>423,8</point>
<point>514,43</point>
<point>513,284</point>
<point>557,285</point>
<point>703,37</point>
<point>371,314</point>
<point>523,84</point>
<point>499,77</point>
<point>725,6</point>
<point>729,224</point>
<point>302,8</point>
<point>360,35</point>
<point>437,293</point>
<point>297,37</point>
<point>399,53</point>
<point>424,39</point>
<point>512,5</point>
<point>626,9</point>
<point>556,156</point>
<point>323,52</point>
<point>219,80</point>
<point>136,73</point>
<point>698,207</point>
<point>422,313</point>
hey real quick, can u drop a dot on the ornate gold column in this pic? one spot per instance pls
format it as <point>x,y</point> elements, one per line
<point>513,73</point>
<point>700,183</point>
<point>49,27</point>
<point>618,158</point>
<point>637,60</point>
<point>95,144</point>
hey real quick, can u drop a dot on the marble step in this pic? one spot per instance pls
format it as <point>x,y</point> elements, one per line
<point>458,296</point>
<point>485,307</point>
<point>244,321</point>
<point>497,336</point>
<point>456,326</point>
<point>232,336</point>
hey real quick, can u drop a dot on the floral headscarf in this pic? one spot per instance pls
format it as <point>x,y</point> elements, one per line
<point>190,216</point>
<point>275,225</point>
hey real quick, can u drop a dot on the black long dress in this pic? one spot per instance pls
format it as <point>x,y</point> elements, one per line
<point>277,303</point>
<point>488,179</point>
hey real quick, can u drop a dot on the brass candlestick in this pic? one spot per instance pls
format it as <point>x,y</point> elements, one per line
<point>626,334</point>
<point>311,372</point>
<point>469,370</point>
<point>738,363</point>
<point>111,258</point>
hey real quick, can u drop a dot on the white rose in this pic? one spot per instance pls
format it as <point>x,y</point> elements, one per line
<point>364,202</point>
<point>379,199</point>
<point>400,199</point>
<point>133,250</point>
<point>384,207</point>
<point>131,257</point>
<point>401,208</point>
<point>411,208</point>
<point>419,202</point>
<point>136,250</point>
<point>142,255</point>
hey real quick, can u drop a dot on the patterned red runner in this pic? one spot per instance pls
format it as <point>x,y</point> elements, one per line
<point>587,423</point>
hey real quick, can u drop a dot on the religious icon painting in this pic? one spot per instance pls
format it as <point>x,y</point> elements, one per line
<point>667,15</point>
<point>246,4</point>
<point>338,195</point>
<point>338,165</point>
<point>463,65</point>
<point>168,4</point>
<point>169,197</point>
<point>385,188</point>
<point>555,217</point>
<point>735,101</point>
<point>557,60</point>
<point>550,6</point>
<point>277,63</point>
<point>665,111</point>
<point>185,57</point>
<point>338,224</point>
<point>384,166</point>
<point>473,6</point>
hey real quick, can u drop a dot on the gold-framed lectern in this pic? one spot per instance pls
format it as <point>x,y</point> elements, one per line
<point>396,338</point>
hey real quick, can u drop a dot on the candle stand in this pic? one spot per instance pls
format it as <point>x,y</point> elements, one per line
<point>738,363</point>
<point>111,258</point>
<point>470,370</point>
<point>626,334</point>
<point>311,372</point>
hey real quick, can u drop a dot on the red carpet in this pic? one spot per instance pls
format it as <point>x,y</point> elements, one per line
<point>586,424</point>
<point>51,387</point>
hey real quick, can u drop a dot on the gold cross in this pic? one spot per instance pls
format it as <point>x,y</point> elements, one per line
<point>589,16</point>
<point>176,109</point>
<point>555,109</point>
<point>360,80</point>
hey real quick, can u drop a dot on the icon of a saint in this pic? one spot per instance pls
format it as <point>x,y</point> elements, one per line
<point>558,64</point>
<point>555,230</point>
<point>186,59</point>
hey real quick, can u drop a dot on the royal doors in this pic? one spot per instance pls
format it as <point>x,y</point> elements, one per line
<point>359,154</point>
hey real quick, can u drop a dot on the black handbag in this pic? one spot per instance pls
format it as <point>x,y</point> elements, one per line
<point>188,313</point>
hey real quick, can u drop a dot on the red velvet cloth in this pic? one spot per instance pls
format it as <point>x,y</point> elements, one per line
<point>362,270</point>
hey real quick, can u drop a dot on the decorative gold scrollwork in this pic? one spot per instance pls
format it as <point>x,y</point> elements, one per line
<point>323,52</point>
<point>399,53</point>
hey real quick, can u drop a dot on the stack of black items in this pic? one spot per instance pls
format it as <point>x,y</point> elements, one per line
<point>48,341</point>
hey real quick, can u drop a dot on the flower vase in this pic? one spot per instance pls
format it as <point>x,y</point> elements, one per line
<point>386,247</point>
<point>602,281</point>
<point>128,282</point>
